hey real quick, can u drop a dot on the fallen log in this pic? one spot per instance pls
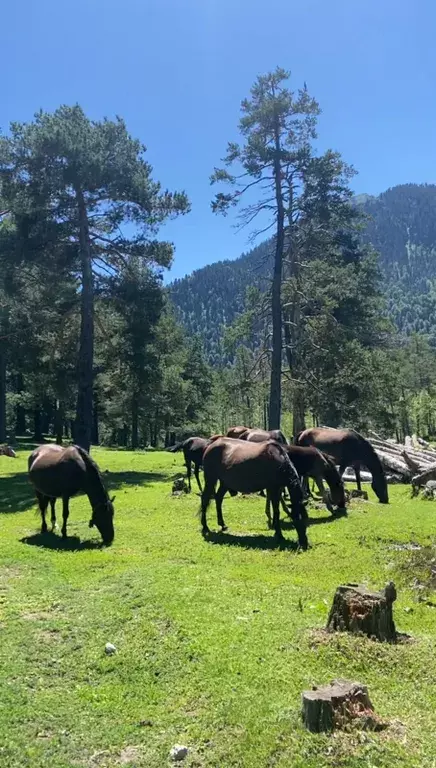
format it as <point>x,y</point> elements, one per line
<point>423,477</point>
<point>394,464</point>
<point>334,706</point>
<point>359,611</point>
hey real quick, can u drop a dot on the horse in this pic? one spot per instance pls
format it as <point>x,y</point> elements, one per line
<point>245,467</point>
<point>257,435</point>
<point>310,462</point>
<point>57,472</point>
<point>6,450</point>
<point>349,449</point>
<point>193,449</point>
<point>236,432</point>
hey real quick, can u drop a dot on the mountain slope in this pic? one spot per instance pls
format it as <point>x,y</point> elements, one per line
<point>402,228</point>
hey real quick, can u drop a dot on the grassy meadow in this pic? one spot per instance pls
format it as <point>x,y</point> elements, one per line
<point>216,639</point>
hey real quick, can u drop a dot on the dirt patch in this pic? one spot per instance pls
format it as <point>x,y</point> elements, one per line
<point>129,755</point>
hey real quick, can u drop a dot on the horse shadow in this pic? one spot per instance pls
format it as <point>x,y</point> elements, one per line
<point>51,540</point>
<point>246,541</point>
<point>18,495</point>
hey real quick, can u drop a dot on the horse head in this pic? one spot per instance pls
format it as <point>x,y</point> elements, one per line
<point>102,518</point>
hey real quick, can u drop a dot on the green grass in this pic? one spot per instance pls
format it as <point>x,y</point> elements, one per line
<point>215,639</point>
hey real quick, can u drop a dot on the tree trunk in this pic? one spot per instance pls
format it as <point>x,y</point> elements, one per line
<point>275,398</point>
<point>85,372</point>
<point>95,437</point>
<point>2,392</point>
<point>334,706</point>
<point>357,610</point>
<point>37,426</point>
<point>20,412</point>
<point>59,421</point>
<point>135,422</point>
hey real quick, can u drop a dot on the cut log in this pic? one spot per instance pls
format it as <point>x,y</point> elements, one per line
<point>394,464</point>
<point>408,442</point>
<point>357,610</point>
<point>334,706</point>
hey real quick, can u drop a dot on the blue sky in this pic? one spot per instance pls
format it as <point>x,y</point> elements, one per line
<point>176,70</point>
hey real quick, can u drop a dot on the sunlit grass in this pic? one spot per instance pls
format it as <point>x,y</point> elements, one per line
<point>215,639</point>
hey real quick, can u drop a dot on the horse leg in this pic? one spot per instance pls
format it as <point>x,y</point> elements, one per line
<point>53,513</point>
<point>357,473</point>
<point>209,490</point>
<point>275,499</point>
<point>221,492</point>
<point>284,505</point>
<point>197,476</point>
<point>299,515</point>
<point>325,495</point>
<point>268,510</point>
<point>43,504</point>
<point>65,515</point>
<point>342,469</point>
<point>188,473</point>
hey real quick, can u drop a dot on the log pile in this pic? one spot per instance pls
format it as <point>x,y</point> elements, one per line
<point>414,462</point>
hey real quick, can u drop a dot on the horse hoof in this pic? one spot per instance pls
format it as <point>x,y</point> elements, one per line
<point>224,528</point>
<point>44,530</point>
<point>205,531</point>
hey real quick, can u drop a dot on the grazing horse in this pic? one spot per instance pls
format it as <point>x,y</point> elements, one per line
<point>236,432</point>
<point>57,472</point>
<point>310,462</point>
<point>193,449</point>
<point>246,467</point>
<point>348,449</point>
<point>257,435</point>
<point>6,450</point>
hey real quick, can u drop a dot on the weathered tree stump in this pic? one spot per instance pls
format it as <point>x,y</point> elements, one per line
<point>335,705</point>
<point>357,610</point>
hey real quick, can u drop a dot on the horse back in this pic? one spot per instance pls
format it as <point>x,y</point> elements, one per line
<point>55,471</point>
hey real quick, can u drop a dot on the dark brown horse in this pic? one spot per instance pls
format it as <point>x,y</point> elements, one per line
<point>348,449</point>
<point>310,462</point>
<point>257,435</point>
<point>245,467</point>
<point>57,472</point>
<point>193,449</point>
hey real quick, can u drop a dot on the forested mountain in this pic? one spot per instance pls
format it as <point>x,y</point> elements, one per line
<point>401,225</point>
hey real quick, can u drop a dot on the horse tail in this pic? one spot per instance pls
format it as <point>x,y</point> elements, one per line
<point>177,447</point>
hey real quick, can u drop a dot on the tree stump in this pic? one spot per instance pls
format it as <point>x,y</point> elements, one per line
<point>333,706</point>
<point>357,610</point>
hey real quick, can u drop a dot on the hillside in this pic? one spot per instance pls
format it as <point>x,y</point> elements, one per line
<point>402,228</point>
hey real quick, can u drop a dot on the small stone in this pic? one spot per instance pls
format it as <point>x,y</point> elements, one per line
<point>178,752</point>
<point>110,649</point>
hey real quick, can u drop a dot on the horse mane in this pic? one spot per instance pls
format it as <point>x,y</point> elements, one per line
<point>331,472</point>
<point>89,462</point>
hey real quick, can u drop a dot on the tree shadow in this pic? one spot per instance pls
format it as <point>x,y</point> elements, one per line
<point>114,480</point>
<point>50,540</point>
<point>259,541</point>
<point>17,493</point>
